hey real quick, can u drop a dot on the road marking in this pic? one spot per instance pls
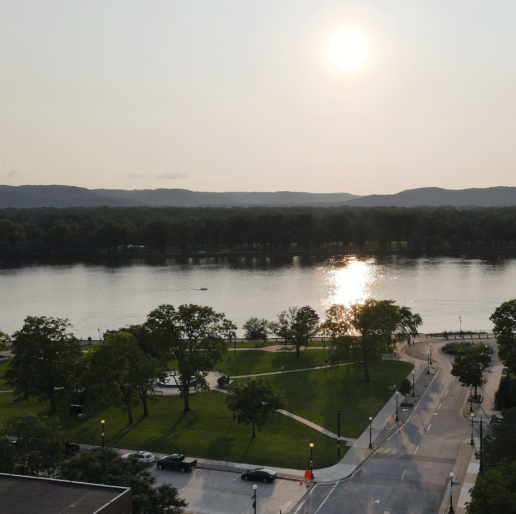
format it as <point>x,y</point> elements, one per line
<point>440,405</point>
<point>429,427</point>
<point>403,474</point>
<point>446,393</point>
<point>417,448</point>
<point>320,506</point>
<point>306,498</point>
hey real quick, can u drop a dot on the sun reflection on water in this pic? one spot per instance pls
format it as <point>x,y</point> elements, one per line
<point>350,280</point>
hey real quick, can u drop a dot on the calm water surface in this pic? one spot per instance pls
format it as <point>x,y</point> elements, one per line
<point>99,296</point>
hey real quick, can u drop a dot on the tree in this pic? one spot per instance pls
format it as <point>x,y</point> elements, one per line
<point>405,387</point>
<point>3,341</point>
<point>119,373</point>
<point>360,333</point>
<point>254,401</point>
<point>45,355</point>
<point>469,369</point>
<point>296,325</point>
<point>195,337</point>
<point>501,443</point>
<point>38,447</point>
<point>504,319</point>
<point>107,468</point>
<point>256,330</point>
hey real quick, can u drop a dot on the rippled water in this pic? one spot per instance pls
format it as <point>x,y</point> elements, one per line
<point>110,296</point>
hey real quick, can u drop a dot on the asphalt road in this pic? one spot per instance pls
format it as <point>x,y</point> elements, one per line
<point>409,473</point>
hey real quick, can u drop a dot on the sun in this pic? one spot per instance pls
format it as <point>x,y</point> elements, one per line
<point>348,49</point>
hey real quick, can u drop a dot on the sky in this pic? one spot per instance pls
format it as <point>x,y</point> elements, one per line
<point>232,95</point>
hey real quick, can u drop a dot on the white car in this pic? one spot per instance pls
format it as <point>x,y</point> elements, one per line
<point>141,456</point>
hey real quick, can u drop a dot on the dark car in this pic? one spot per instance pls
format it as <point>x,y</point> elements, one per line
<point>259,474</point>
<point>176,461</point>
<point>71,448</point>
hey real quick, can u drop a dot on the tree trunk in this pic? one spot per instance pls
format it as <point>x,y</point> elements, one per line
<point>130,414</point>
<point>366,373</point>
<point>186,394</point>
<point>253,430</point>
<point>145,408</point>
<point>298,346</point>
<point>53,407</point>
<point>476,392</point>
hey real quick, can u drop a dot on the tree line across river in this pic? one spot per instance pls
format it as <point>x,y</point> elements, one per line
<point>83,232</point>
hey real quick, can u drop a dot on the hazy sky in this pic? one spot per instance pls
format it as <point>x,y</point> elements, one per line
<point>233,95</point>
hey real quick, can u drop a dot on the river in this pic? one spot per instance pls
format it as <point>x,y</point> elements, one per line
<point>109,296</point>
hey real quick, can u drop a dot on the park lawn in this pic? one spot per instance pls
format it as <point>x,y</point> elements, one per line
<point>316,395</point>
<point>253,362</point>
<point>249,344</point>
<point>4,363</point>
<point>207,431</point>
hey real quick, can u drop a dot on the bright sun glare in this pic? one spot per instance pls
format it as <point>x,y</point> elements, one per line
<point>348,49</point>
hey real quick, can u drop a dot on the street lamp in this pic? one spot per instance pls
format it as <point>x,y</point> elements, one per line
<point>370,432</point>
<point>428,370</point>
<point>451,511</point>
<point>280,509</point>
<point>102,423</point>
<point>472,419</point>
<point>471,398</point>
<point>311,461</point>
<point>430,353</point>
<point>460,325</point>
<point>397,394</point>
<point>413,384</point>
<point>481,467</point>
<point>254,497</point>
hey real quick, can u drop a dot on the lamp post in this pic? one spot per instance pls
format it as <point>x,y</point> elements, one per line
<point>280,509</point>
<point>430,359</point>
<point>397,394</point>
<point>480,468</point>
<point>254,497</point>
<point>471,398</point>
<point>370,432</point>
<point>102,423</point>
<point>472,419</point>
<point>311,461</point>
<point>338,434</point>
<point>460,325</point>
<point>428,369</point>
<point>413,384</point>
<point>451,511</point>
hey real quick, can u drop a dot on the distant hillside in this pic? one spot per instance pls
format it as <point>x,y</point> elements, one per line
<point>186,198</point>
<point>435,197</point>
<point>25,197</point>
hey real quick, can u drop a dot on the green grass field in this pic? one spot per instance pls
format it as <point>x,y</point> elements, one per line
<point>316,395</point>
<point>253,362</point>
<point>208,431</point>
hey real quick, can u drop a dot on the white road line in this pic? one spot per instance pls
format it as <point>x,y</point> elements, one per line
<point>306,499</point>
<point>403,474</point>
<point>446,393</point>
<point>320,506</point>
<point>417,448</point>
<point>440,405</point>
<point>429,427</point>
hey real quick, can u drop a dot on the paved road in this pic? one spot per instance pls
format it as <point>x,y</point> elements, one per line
<point>409,473</point>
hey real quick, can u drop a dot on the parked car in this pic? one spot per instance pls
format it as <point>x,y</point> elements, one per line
<point>71,448</point>
<point>141,456</point>
<point>176,461</point>
<point>259,474</point>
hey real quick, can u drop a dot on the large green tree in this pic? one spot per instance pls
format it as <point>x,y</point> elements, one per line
<point>254,401</point>
<point>37,449</point>
<point>360,333</point>
<point>195,338</point>
<point>119,373</point>
<point>256,330</point>
<point>297,325</point>
<point>3,341</point>
<point>469,369</point>
<point>45,355</point>
<point>504,319</point>
<point>109,469</point>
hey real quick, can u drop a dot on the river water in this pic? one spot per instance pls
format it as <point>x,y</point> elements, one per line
<point>109,296</point>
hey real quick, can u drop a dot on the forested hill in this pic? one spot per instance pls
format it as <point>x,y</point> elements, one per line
<point>437,197</point>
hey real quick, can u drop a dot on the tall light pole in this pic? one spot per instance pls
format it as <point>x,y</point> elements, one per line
<point>102,423</point>
<point>471,398</point>
<point>280,509</point>
<point>481,467</point>
<point>413,384</point>
<point>430,359</point>
<point>451,511</point>
<point>472,419</point>
<point>254,497</point>
<point>338,434</point>
<point>428,370</point>
<point>460,325</point>
<point>370,432</point>
<point>311,461</point>
<point>397,394</point>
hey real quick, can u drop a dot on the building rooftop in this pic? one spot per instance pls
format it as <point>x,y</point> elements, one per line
<point>33,495</point>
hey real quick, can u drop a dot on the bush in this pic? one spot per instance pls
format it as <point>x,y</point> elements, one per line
<point>222,381</point>
<point>505,397</point>
<point>464,348</point>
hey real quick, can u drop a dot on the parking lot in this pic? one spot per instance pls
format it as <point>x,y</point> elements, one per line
<point>224,492</point>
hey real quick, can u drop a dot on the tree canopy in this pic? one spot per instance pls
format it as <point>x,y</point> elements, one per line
<point>44,359</point>
<point>469,369</point>
<point>256,330</point>
<point>504,319</point>
<point>195,338</point>
<point>296,325</point>
<point>254,401</point>
<point>361,332</point>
